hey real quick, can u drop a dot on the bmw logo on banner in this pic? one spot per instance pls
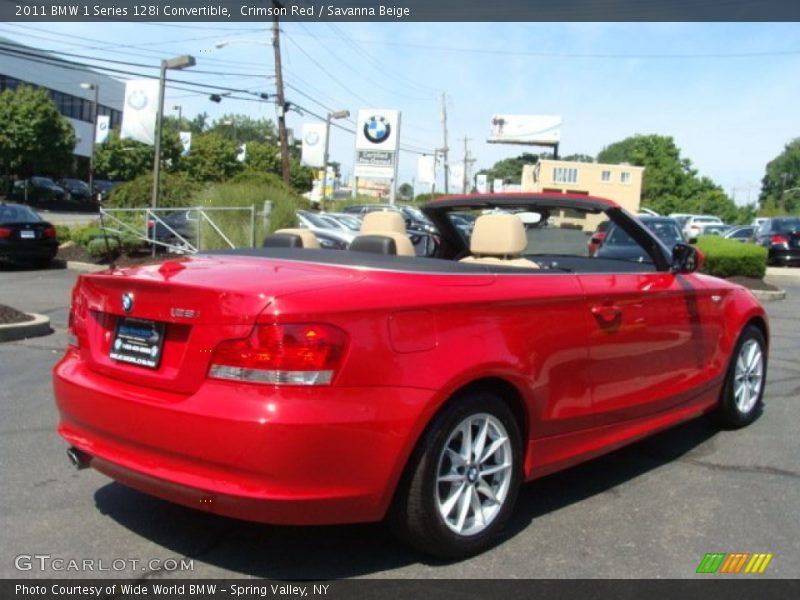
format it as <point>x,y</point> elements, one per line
<point>377,141</point>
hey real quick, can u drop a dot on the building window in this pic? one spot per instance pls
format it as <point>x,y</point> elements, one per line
<point>565,175</point>
<point>605,176</point>
<point>625,177</point>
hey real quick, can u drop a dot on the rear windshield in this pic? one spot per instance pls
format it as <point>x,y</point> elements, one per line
<point>786,225</point>
<point>18,214</point>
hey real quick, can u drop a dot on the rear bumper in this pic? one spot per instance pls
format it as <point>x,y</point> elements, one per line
<point>27,251</point>
<point>286,456</point>
<point>780,256</point>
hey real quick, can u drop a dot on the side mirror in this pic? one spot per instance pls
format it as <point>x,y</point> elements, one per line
<point>686,259</point>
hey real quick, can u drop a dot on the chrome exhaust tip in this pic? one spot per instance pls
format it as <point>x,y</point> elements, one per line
<point>78,458</point>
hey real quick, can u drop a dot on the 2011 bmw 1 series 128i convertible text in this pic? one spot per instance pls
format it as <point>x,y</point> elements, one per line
<point>295,385</point>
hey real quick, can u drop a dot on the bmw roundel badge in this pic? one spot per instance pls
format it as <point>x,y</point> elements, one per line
<point>127,302</point>
<point>377,129</point>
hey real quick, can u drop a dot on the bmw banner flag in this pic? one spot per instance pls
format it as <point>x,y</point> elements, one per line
<point>313,154</point>
<point>139,111</point>
<point>186,142</point>
<point>482,183</point>
<point>101,130</point>
<point>426,169</point>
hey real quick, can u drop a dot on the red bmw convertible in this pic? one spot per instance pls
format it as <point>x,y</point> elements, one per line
<point>296,385</point>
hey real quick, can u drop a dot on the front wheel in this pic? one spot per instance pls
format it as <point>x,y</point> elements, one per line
<point>743,393</point>
<point>462,482</point>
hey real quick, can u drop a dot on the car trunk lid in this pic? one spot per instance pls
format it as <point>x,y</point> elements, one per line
<point>188,305</point>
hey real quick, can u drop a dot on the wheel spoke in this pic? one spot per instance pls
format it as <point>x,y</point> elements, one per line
<point>494,469</point>
<point>496,445</point>
<point>455,458</point>
<point>480,443</point>
<point>466,441</point>
<point>463,509</point>
<point>451,477</point>
<point>477,508</point>
<point>486,490</point>
<point>447,506</point>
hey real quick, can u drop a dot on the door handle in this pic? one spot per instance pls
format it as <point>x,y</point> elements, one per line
<point>606,313</point>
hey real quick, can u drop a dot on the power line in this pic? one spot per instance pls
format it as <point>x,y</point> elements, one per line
<point>577,55</point>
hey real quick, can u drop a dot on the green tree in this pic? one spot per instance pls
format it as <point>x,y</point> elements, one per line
<point>263,157</point>
<point>212,158</point>
<point>199,124</point>
<point>406,191</point>
<point>34,137</point>
<point>669,180</point>
<point>779,187</point>
<point>510,169</point>
<point>126,159</point>
<point>578,158</point>
<point>243,129</point>
<point>300,178</point>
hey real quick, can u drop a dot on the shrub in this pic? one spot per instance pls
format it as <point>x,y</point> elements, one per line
<point>729,258</point>
<point>247,189</point>
<point>176,190</point>
<point>83,235</point>
<point>63,233</point>
<point>98,248</point>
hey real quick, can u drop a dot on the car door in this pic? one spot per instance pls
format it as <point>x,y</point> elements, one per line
<point>645,336</point>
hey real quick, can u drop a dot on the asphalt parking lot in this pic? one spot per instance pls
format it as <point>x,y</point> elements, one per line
<point>651,510</point>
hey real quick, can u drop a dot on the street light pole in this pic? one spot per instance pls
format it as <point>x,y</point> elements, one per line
<point>179,62</point>
<point>339,114</point>
<point>96,88</point>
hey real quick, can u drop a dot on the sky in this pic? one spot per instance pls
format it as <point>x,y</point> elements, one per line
<point>728,93</point>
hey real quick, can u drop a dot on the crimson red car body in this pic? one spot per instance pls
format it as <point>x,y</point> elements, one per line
<point>588,361</point>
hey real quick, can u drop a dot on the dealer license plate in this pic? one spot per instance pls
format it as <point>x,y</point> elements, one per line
<point>138,342</point>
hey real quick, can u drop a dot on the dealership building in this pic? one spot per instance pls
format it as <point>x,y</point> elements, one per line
<point>25,65</point>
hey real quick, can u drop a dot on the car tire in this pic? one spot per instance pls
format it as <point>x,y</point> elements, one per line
<point>451,504</point>
<point>742,397</point>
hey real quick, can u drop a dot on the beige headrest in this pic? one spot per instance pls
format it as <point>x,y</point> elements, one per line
<point>385,220</point>
<point>498,235</point>
<point>309,240</point>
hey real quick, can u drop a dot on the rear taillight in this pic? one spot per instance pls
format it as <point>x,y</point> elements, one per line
<point>49,232</point>
<point>292,354</point>
<point>5,232</point>
<point>778,240</point>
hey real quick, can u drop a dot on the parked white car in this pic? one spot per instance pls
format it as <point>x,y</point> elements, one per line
<point>694,225</point>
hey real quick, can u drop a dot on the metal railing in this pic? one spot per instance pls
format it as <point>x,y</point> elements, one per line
<point>149,224</point>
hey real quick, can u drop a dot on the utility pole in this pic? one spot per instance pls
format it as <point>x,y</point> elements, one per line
<point>284,141</point>
<point>467,162</point>
<point>444,148</point>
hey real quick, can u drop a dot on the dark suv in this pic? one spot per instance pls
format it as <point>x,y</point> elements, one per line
<point>781,237</point>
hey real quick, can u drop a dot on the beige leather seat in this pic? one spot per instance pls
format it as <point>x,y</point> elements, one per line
<point>309,240</point>
<point>499,239</point>
<point>388,224</point>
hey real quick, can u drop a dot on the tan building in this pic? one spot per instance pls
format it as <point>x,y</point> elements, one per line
<point>620,183</point>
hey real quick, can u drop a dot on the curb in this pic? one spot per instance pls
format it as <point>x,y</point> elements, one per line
<point>20,331</point>
<point>766,296</point>
<point>84,267</point>
<point>783,272</point>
